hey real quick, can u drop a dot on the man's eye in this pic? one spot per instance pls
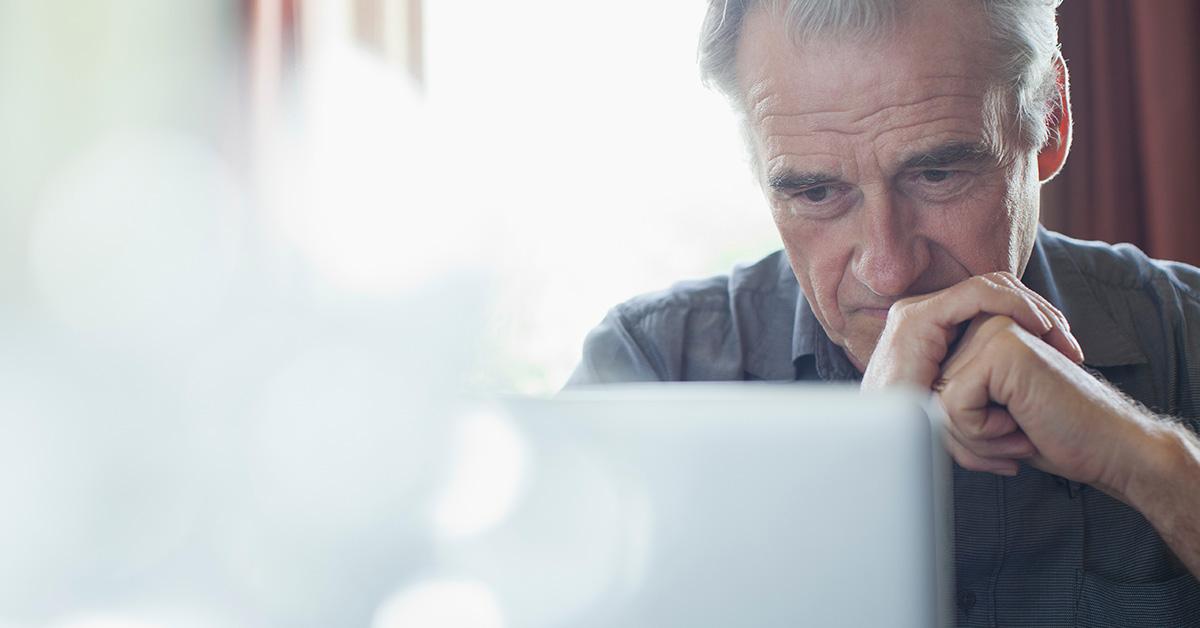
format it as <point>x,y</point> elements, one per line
<point>820,201</point>
<point>817,194</point>
<point>937,185</point>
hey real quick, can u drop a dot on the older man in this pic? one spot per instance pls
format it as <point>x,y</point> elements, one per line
<point>901,146</point>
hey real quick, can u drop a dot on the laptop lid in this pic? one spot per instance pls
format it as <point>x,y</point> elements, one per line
<point>662,505</point>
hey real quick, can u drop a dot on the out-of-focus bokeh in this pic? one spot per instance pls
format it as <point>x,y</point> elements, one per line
<point>257,257</point>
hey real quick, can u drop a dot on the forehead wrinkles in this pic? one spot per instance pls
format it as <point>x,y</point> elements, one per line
<point>835,164</point>
<point>774,108</point>
<point>835,135</point>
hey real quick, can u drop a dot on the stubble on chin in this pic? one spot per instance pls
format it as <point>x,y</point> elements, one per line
<point>860,343</point>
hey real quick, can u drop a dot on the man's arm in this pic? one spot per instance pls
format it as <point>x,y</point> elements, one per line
<point>1166,488</point>
<point>1013,390</point>
<point>1076,426</point>
<point>613,353</point>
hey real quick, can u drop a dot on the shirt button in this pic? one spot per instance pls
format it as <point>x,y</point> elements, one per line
<point>966,600</point>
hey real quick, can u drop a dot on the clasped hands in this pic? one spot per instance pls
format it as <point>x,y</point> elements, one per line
<point>1011,383</point>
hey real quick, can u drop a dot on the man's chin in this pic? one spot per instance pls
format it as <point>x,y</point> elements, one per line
<point>860,343</point>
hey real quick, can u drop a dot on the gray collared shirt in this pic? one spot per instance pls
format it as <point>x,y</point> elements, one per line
<point>1031,550</point>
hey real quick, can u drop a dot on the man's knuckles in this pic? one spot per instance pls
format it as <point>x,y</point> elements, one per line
<point>976,339</point>
<point>998,336</point>
<point>1005,278</point>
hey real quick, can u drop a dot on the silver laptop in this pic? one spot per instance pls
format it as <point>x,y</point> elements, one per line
<point>706,505</point>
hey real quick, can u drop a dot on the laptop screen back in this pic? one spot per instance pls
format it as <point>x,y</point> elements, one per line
<point>721,505</point>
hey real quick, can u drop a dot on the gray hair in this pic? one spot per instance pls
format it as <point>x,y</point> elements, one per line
<point>1024,37</point>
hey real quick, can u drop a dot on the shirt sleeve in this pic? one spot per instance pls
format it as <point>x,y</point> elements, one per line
<point>612,354</point>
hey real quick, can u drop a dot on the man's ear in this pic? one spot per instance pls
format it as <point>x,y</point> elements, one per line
<point>1054,154</point>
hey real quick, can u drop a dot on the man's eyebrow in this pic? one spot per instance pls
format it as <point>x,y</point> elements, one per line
<point>791,180</point>
<point>948,155</point>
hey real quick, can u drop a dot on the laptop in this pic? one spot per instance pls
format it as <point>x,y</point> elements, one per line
<point>718,505</point>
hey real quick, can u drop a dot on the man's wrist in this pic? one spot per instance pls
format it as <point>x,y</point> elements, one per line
<point>1164,460</point>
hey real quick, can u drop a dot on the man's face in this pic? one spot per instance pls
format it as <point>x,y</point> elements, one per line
<point>873,160</point>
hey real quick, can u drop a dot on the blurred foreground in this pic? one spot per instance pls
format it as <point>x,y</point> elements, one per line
<point>243,298</point>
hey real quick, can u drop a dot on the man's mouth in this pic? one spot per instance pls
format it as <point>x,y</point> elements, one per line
<point>874,312</point>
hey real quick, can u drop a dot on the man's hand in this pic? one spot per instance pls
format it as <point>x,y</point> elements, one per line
<point>1009,396</point>
<point>1013,390</point>
<point>920,330</point>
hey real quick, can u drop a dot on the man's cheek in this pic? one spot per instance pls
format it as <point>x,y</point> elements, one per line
<point>819,255</point>
<point>820,293</point>
<point>860,341</point>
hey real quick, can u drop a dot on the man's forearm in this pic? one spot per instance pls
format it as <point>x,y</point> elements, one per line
<point>1166,489</point>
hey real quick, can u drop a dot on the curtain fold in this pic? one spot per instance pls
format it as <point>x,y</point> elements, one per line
<point>1134,170</point>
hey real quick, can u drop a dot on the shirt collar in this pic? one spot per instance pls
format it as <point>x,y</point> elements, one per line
<point>811,346</point>
<point>764,310</point>
<point>769,306</point>
<point>809,339</point>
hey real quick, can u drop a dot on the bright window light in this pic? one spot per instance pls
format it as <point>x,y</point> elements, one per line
<point>584,129</point>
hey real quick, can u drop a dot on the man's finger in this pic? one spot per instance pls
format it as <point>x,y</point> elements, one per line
<point>988,433</point>
<point>1059,336</point>
<point>972,462</point>
<point>980,295</point>
<point>997,422</point>
<point>1065,343</point>
<point>1014,446</point>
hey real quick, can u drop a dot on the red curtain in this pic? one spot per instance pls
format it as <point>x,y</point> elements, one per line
<point>1134,170</point>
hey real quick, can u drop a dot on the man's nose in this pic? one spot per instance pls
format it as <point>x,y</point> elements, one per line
<point>891,254</point>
